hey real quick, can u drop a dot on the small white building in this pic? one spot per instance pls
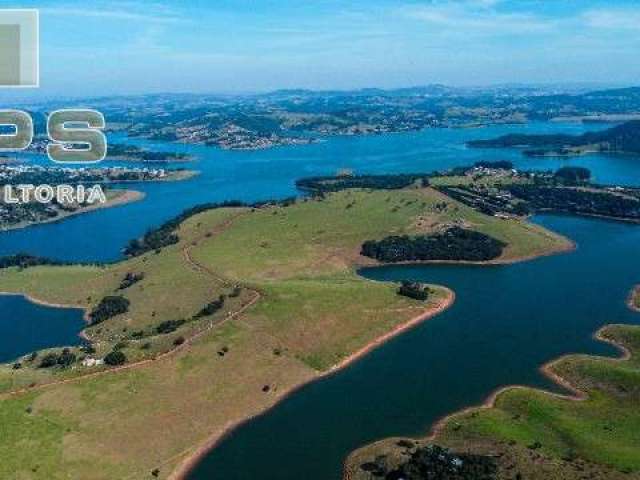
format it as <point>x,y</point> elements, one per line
<point>92,362</point>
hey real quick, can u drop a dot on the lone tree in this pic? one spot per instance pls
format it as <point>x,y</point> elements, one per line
<point>415,290</point>
<point>117,357</point>
<point>66,358</point>
<point>49,360</point>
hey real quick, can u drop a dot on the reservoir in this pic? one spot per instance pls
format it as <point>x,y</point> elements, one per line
<point>100,236</point>
<point>506,322</point>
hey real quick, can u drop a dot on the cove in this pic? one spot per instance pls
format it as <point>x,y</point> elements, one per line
<point>506,322</point>
<point>26,327</point>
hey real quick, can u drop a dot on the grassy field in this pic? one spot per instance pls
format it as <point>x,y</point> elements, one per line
<point>542,436</point>
<point>300,310</point>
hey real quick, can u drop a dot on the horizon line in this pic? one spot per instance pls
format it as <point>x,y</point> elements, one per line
<point>576,86</point>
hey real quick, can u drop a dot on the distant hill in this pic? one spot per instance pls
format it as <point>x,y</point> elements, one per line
<point>626,93</point>
<point>299,116</point>
<point>623,138</point>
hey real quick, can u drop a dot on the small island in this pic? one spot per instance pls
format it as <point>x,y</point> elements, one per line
<point>128,153</point>
<point>132,153</point>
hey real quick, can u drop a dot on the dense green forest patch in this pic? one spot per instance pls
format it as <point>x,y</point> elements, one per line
<point>454,244</point>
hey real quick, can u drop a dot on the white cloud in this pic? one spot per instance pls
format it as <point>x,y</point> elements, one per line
<point>139,12</point>
<point>476,16</point>
<point>613,19</point>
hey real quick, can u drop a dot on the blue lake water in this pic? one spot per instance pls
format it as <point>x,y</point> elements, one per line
<point>259,175</point>
<point>26,327</point>
<point>506,322</point>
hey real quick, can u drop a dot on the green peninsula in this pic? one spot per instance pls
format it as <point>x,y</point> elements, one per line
<point>267,294</point>
<point>623,138</point>
<point>526,433</point>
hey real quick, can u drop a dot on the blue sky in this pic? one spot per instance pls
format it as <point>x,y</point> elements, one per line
<point>134,46</point>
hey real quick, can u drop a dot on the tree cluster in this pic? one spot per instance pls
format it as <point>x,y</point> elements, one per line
<point>169,326</point>
<point>109,307</point>
<point>322,185</point>
<point>115,358</point>
<point>63,359</point>
<point>415,290</point>
<point>578,201</point>
<point>436,463</point>
<point>453,244</point>
<point>621,138</point>
<point>130,279</point>
<point>573,175</point>
<point>165,235</point>
<point>211,307</point>
<point>25,260</point>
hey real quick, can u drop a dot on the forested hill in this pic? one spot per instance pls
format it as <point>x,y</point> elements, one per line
<point>624,138</point>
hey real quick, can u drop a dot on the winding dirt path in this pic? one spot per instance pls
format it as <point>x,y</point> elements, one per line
<point>191,263</point>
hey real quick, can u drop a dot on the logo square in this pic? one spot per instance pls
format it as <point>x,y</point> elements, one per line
<point>19,49</point>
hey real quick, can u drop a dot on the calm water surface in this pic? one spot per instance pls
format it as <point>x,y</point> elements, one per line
<point>26,326</point>
<point>505,323</point>
<point>259,175</point>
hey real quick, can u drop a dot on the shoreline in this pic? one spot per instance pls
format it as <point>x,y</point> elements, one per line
<point>45,303</point>
<point>574,393</point>
<point>192,460</point>
<point>189,458</point>
<point>133,159</point>
<point>179,175</point>
<point>633,301</point>
<point>36,301</point>
<point>124,198</point>
<point>632,221</point>
<point>172,176</point>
